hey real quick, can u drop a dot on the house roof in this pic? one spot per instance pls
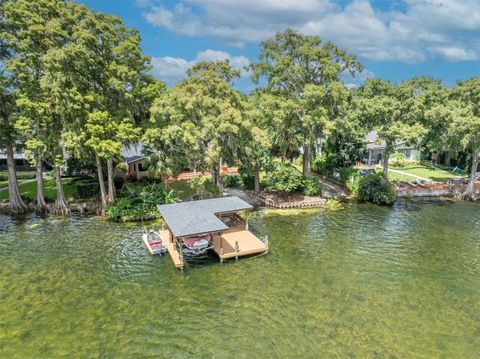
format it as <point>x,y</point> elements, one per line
<point>374,143</point>
<point>199,217</point>
<point>133,153</point>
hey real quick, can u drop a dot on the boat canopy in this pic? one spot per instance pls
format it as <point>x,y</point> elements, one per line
<point>200,217</point>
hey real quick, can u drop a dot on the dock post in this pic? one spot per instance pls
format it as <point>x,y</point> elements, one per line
<point>236,250</point>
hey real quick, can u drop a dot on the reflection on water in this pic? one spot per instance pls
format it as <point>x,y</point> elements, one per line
<point>364,282</point>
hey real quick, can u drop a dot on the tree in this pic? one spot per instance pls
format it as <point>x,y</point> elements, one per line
<point>199,121</point>
<point>460,116</point>
<point>7,138</point>
<point>392,110</point>
<point>307,73</point>
<point>30,31</point>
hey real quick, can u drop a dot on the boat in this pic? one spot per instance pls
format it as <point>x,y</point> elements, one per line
<point>196,245</point>
<point>154,242</point>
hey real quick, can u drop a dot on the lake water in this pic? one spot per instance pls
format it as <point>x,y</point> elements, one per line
<point>368,281</point>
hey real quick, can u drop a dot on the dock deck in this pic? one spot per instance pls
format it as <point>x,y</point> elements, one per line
<point>172,249</point>
<point>238,243</point>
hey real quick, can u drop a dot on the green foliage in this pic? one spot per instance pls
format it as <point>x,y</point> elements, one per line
<point>198,121</point>
<point>203,187</point>
<point>20,176</point>
<point>119,182</point>
<point>87,188</point>
<point>247,179</point>
<point>137,203</point>
<point>333,205</point>
<point>324,164</point>
<point>231,181</point>
<point>284,178</point>
<point>312,186</point>
<point>80,167</point>
<point>376,189</point>
<point>399,160</point>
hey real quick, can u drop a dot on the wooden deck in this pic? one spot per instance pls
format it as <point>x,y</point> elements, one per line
<point>237,243</point>
<point>177,258</point>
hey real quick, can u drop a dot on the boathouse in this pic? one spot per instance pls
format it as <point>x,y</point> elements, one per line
<point>216,218</point>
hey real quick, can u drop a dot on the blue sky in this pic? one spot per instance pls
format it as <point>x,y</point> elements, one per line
<point>395,39</point>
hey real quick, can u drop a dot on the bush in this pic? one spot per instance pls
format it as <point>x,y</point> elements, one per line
<point>20,176</point>
<point>80,167</point>
<point>118,182</point>
<point>247,180</point>
<point>312,186</point>
<point>137,203</point>
<point>86,188</point>
<point>324,164</point>
<point>284,178</point>
<point>230,181</point>
<point>398,159</point>
<point>376,189</point>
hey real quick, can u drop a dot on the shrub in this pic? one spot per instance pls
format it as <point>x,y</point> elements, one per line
<point>86,188</point>
<point>230,181</point>
<point>376,189</point>
<point>284,178</point>
<point>137,203</point>
<point>398,159</point>
<point>247,180</point>
<point>20,176</point>
<point>312,186</point>
<point>80,167</point>
<point>118,182</point>
<point>346,174</point>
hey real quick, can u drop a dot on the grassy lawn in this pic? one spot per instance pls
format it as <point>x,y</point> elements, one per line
<point>185,189</point>
<point>392,176</point>
<point>433,174</point>
<point>30,189</point>
<point>3,184</point>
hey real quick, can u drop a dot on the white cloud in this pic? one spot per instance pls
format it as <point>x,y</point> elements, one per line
<point>415,32</point>
<point>173,69</point>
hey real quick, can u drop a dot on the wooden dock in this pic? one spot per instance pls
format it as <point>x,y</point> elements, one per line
<point>234,244</point>
<point>171,246</point>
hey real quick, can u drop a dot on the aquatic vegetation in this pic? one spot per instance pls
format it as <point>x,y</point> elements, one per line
<point>333,205</point>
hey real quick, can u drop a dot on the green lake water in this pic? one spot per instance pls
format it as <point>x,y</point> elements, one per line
<point>366,282</point>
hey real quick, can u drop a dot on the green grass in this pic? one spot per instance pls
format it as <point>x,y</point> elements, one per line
<point>392,176</point>
<point>3,184</point>
<point>30,189</point>
<point>431,173</point>
<point>21,175</point>
<point>186,191</point>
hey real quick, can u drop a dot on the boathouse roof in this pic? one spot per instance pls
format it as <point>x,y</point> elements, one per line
<point>199,217</point>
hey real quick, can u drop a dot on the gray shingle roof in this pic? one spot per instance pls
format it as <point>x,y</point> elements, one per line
<point>198,217</point>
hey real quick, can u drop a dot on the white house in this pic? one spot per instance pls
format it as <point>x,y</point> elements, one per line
<point>376,150</point>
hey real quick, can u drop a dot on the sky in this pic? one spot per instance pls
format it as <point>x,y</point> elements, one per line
<point>394,39</point>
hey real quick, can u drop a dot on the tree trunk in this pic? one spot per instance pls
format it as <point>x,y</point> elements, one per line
<point>471,195</point>
<point>103,194</point>
<point>15,202</point>
<point>111,184</point>
<point>447,159</point>
<point>61,205</point>
<point>41,204</point>
<point>385,164</point>
<point>306,160</point>
<point>257,181</point>
<point>165,181</point>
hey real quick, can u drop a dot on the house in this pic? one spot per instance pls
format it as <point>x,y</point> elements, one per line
<point>21,161</point>
<point>376,150</point>
<point>133,157</point>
